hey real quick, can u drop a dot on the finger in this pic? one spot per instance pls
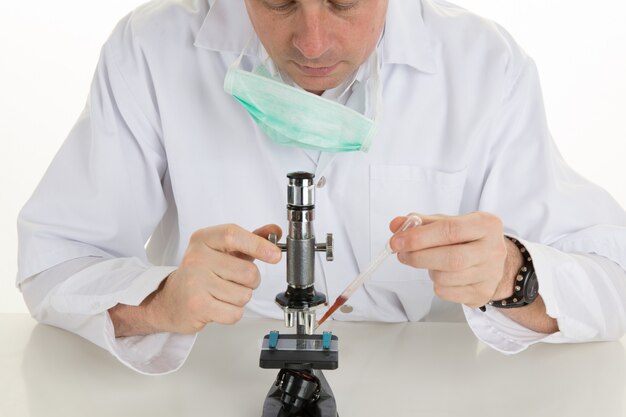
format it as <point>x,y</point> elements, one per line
<point>264,232</point>
<point>446,258</point>
<point>230,292</point>
<point>231,268</point>
<point>233,238</point>
<point>223,313</point>
<point>456,279</point>
<point>399,221</point>
<point>441,231</point>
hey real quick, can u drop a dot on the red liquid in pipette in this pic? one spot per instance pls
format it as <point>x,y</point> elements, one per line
<point>338,303</point>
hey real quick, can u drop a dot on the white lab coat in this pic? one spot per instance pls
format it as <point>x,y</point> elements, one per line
<point>161,151</point>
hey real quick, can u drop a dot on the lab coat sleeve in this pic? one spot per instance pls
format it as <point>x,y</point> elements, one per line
<point>574,230</point>
<point>73,295</point>
<point>101,199</point>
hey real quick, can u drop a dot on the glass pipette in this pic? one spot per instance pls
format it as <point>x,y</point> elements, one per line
<point>411,221</point>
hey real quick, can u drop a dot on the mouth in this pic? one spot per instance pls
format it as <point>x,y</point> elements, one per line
<point>316,71</point>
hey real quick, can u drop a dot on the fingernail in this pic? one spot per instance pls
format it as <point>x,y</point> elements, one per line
<point>397,244</point>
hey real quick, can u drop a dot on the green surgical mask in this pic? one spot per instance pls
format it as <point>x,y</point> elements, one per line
<point>292,116</point>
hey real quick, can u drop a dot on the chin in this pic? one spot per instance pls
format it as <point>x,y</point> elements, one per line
<point>318,86</point>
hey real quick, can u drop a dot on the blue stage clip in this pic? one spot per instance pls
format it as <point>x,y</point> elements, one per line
<point>273,339</point>
<point>326,338</point>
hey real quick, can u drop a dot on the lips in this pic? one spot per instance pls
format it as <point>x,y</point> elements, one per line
<point>316,71</point>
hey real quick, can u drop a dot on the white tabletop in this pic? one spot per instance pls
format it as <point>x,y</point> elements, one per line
<point>411,369</point>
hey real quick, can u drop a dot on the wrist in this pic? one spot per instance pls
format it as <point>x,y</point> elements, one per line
<point>138,320</point>
<point>154,309</point>
<point>512,265</point>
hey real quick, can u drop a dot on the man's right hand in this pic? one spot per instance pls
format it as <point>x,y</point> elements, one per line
<point>213,283</point>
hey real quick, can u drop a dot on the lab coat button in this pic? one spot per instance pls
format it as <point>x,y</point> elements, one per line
<point>321,182</point>
<point>347,309</point>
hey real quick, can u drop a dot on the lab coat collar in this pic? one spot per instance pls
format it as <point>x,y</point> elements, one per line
<point>227,28</point>
<point>406,40</point>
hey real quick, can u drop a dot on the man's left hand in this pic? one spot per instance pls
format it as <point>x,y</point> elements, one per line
<point>466,256</point>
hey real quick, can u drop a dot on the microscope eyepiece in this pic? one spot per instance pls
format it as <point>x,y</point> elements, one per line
<point>300,175</point>
<point>301,191</point>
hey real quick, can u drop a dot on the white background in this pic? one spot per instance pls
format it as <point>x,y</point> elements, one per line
<point>49,49</point>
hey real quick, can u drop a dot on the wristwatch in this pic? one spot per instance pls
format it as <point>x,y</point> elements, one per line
<point>526,287</point>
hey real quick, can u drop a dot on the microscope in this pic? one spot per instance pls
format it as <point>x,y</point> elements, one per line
<point>300,389</point>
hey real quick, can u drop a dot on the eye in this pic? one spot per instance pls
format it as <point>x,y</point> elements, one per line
<point>344,5</point>
<point>280,6</point>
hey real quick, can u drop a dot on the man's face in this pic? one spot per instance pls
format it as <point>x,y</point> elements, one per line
<point>318,43</point>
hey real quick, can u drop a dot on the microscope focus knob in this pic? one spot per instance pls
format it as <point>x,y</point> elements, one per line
<point>326,247</point>
<point>274,239</point>
<point>329,247</point>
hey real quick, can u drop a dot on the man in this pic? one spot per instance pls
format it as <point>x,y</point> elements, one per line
<point>185,142</point>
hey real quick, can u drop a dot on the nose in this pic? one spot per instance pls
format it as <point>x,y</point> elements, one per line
<point>312,36</point>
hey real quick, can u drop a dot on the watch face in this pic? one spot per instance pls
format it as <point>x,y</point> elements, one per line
<point>531,288</point>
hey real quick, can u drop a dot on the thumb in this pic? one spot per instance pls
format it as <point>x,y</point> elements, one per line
<point>396,223</point>
<point>264,231</point>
